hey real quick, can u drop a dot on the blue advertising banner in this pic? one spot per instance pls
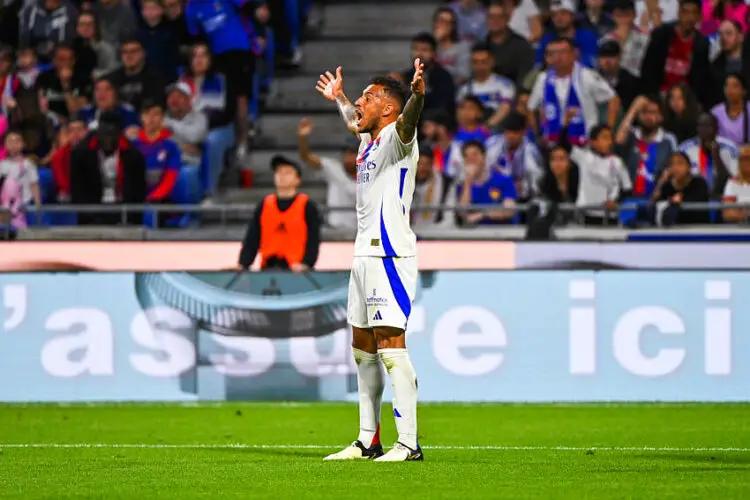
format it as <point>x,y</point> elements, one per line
<point>473,336</point>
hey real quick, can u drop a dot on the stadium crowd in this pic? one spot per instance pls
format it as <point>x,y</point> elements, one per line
<point>595,104</point>
<point>132,101</point>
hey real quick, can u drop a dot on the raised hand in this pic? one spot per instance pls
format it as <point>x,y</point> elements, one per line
<point>417,83</point>
<point>305,127</point>
<point>330,85</point>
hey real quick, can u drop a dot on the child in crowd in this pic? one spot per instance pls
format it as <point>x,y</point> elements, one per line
<point>603,179</point>
<point>21,169</point>
<point>11,198</point>
<point>27,69</point>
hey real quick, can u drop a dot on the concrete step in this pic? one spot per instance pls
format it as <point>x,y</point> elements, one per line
<point>260,161</point>
<point>363,19</point>
<point>299,91</point>
<point>373,57</point>
<point>282,129</point>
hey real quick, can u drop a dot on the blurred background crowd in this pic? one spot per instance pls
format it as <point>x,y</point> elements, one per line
<point>596,104</point>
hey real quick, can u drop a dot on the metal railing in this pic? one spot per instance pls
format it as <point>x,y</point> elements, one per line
<point>245,210</point>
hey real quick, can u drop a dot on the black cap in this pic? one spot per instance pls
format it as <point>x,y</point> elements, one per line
<point>351,143</point>
<point>610,48</point>
<point>624,5</point>
<point>281,160</point>
<point>425,149</point>
<point>514,122</point>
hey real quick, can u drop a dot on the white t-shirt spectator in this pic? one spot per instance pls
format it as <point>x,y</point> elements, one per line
<point>456,60</point>
<point>519,20</point>
<point>492,92</point>
<point>601,179</point>
<point>633,50</point>
<point>592,89</point>
<point>342,192</point>
<point>737,191</point>
<point>24,171</point>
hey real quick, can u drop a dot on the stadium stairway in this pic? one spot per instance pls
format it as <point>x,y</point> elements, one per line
<point>366,38</point>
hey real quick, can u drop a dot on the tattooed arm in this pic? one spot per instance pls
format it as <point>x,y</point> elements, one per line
<point>406,126</point>
<point>332,88</point>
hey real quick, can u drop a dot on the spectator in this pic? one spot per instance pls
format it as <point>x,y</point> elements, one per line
<point>223,23</point>
<point>563,20</point>
<point>682,110</point>
<point>732,58</point>
<point>175,14</point>
<point>11,199</point>
<point>21,169</point>
<point>482,186</point>
<point>525,19</point>
<point>633,40</point>
<point>70,137</point>
<point>677,53</point>
<point>38,126</point>
<point>162,155</point>
<point>470,118</point>
<point>116,21</point>
<point>94,57</point>
<point>452,54</point>
<point>732,114</point>
<point>644,145</point>
<point>208,87</point>
<point>105,99</point>
<point>189,127</point>
<point>428,193</point>
<point>494,91</point>
<point>340,176</point>
<point>65,89</point>
<point>446,153</point>
<point>160,40</point>
<point>27,67</point>
<point>107,170</point>
<point>604,181</point>
<point>10,12</point>
<point>135,80</point>
<point>472,19</point>
<point>737,190</point>
<point>595,18</point>
<point>568,85</point>
<point>9,83</point>
<point>286,225</point>
<point>512,53</point>
<point>45,23</point>
<point>561,178</point>
<point>624,84</point>
<point>680,186</point>
<point>514,156</point>
<point>716,11</point>
<point>441,90</point>
<point>712,157</point>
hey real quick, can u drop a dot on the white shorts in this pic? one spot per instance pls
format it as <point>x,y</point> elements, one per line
<point>381,291</point>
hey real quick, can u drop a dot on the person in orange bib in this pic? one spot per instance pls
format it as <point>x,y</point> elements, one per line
<point>285,229</point>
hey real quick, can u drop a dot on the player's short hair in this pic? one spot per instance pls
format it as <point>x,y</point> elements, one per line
<point>473,143</point>
<point>393,87</point>
<point>425,37</point>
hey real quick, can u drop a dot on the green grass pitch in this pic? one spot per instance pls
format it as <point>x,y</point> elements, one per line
<point>246,450</point>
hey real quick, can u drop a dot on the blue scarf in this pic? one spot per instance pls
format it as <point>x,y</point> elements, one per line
<point>554,113</point>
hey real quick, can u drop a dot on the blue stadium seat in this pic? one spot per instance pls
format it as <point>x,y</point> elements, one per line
<point>187,191</point>
<point>627,214</point>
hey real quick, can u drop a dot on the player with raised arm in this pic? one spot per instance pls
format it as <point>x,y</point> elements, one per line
<point>383,280</point>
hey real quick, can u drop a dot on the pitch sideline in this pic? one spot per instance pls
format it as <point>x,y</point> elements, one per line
<point>198,446</point>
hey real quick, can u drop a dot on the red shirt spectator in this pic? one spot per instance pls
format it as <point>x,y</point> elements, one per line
<point>70,137</point>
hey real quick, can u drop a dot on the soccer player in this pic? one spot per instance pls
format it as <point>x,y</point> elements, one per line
<point>384,272</point>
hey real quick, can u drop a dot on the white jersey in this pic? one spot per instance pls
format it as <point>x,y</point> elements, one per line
<point>386,176</point>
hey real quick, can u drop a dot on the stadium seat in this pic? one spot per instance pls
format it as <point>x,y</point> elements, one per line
<point>627,214</point>
<point>187,191</point>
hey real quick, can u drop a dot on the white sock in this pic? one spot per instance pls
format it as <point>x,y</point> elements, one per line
<point>404,383</point>
<point>370,384</point>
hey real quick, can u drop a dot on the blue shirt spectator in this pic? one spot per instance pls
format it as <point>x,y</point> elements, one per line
<point>105,99</point>
<point>162,154</point>
<point>563,19</point>
<point>221,22</point>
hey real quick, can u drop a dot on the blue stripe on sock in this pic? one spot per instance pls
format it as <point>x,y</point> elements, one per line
<point>399,292</point>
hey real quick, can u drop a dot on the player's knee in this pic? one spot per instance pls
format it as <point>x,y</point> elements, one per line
<point>389,337</point>
<point>364,340</point>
